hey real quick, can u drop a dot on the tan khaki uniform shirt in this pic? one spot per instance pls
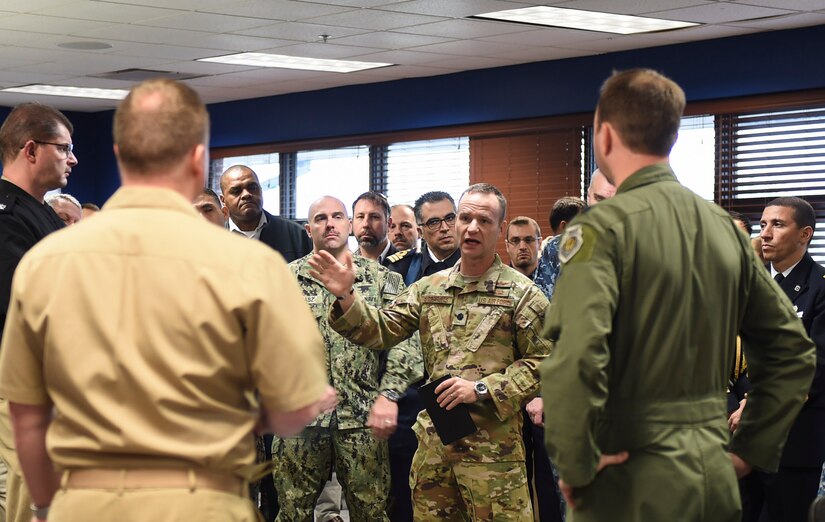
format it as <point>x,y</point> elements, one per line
<point>150,329</point>
<point>487,330</point>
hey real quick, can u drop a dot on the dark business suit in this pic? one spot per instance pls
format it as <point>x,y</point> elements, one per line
<point>789,492</point>
<point>287,237</point>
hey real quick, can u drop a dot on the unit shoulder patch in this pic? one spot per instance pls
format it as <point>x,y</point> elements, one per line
<point>577,242</point>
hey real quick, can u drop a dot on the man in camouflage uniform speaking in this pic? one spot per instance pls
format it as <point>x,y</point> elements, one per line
<point>480,322</point>
<point>303,463</point>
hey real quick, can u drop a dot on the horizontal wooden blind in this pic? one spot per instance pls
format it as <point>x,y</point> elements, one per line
<point>531,170</point>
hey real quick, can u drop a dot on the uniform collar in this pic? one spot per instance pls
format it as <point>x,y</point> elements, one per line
<point>487,280</point>
<point>150,197</point>
<point>650,174</point>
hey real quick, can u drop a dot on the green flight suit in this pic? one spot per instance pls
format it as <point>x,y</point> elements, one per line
<point>655,285</point>
<point>486,330</point>
<point>302,463</point>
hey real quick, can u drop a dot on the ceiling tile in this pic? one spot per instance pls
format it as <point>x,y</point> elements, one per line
<point>614,43</point>
<point>160,52</point>
<point>785,22</point>
<point>541,54</point>
<point>719,12</point>
<point>801,5</point>
<point>27,6</point>
<point>469,48</point>
<point>361,4</point>
<point>374,20</point>
<point>321,50</point>
<point>29,39</point>
<point>207,22</point>
<point>50,24</point>
<point>405,71</point>
<point>452,8</point>
<point>464,29</point>
<point>469,63</point>
<point>300,31</point>
<point>546,36</point>
<point>402,57</point>
<point>107,12</point>
<point>389,40</point>
<point>273,9</point>
<point>702,32</point>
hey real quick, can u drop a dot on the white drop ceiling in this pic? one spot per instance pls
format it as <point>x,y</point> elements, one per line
<point>423,37</point>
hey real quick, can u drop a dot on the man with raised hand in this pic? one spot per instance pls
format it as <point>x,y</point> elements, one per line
<point>479,324</point>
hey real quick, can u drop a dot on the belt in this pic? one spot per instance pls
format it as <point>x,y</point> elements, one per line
<point>123,479</point>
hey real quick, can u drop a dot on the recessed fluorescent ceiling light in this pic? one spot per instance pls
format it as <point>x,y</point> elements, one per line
<point>587,20</point>
<point>74,92</point>
<point>294,62</point>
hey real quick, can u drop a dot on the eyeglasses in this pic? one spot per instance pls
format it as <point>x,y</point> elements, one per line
<point>65,148</point>
<point>435,223</point>
<point>528,240</point>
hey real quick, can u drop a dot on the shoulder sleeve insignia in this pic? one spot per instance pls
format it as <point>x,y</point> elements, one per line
<point>393,284</point>
<point>571,243</point>
<point>398,256</point>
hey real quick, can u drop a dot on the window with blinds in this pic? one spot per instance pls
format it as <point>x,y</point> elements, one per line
<point>266,166</point>
<point>531,170</point>
<point>343,173</point>
<point>409,169</point>
<point>694,154</point>
<point>764,155</point>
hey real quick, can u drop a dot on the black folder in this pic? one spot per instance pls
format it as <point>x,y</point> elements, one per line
<point>450,425</point>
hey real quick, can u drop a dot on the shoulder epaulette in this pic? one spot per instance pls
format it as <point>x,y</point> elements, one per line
<point>398,256</point>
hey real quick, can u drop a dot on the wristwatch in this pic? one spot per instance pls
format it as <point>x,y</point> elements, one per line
<point>391,395</point>
<point>40,513</point>
<point>481,390</point>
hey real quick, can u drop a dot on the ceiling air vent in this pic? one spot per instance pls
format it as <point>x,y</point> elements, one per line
<point>139,75</point>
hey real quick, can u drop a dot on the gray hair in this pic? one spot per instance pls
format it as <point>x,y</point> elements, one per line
<point>66,197</point>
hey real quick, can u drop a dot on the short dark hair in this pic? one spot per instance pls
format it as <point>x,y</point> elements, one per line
<point>30,121</point>
<point>375,197</point>
<point>212,194</point>
<point>433,196</point>
<point>90,206</point>
<point>738,216</point>
<point>565,209</point>
<point>151,137</point>
<point>522,221</point>
<point>644,107</point>
<point>486,188</point>
<point>803,212</point>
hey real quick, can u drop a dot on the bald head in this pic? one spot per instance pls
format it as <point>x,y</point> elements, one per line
<point>242,195</point>
<point>328,225</point>
<point>600,188</point>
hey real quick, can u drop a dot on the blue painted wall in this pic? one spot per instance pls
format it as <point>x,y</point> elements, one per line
<point>745,65</point>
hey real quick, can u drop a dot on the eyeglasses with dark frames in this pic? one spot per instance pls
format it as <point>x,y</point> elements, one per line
<point>527,240</point>
<point>435,223</point>
<point>65,148</point>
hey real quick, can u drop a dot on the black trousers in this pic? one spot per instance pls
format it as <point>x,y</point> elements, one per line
<point>784,496</point>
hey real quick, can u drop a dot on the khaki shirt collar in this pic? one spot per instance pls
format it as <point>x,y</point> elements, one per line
<point>650,174</point>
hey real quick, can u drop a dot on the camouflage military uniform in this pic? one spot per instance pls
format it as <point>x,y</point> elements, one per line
<point>303,463</point>
<point>484,330</point>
